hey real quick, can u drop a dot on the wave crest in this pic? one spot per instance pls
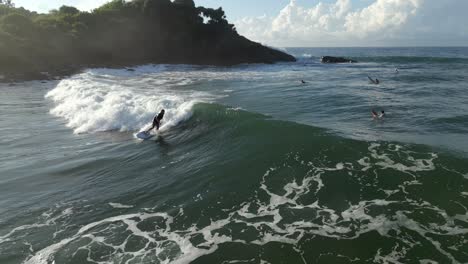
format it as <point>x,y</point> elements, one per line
<point>90,103</point>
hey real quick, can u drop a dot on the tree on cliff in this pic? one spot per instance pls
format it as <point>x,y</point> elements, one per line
<point>7,3</point>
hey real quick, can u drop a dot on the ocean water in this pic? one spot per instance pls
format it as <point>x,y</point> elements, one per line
<point>250,165</point>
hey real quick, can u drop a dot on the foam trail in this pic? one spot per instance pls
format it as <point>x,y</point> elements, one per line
<point>93,103</point>
<point>120,206</point>
<point>270,216</point>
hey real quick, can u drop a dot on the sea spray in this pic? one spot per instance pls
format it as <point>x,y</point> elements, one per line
<point>91,102</point>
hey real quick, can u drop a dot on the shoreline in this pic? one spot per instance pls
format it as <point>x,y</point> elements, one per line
<point>58,74</point>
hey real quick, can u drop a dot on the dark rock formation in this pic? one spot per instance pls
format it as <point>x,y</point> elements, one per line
<point>330,59</point>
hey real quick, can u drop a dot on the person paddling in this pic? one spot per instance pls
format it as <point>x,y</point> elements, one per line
<point>157,121</point>
<point>378,116</point>
<point>376,81</point>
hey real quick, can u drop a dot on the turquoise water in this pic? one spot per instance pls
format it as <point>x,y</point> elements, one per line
<point>250,166</point>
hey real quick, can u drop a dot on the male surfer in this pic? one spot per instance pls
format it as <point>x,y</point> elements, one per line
<point>376,81</point>
<point>157,121</point>
<point>378,116</point>
<point>303,82</point>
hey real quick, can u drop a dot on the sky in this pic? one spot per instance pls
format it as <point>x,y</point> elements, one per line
<point>330,23</point>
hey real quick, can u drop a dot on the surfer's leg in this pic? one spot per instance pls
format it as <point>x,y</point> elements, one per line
<point>150,128</point>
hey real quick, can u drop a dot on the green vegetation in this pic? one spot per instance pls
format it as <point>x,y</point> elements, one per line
<point>122,33</point>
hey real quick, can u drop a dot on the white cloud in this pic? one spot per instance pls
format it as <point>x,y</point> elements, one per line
<point>88,5</point>
<point>383,15</point>
<point>382,22</point>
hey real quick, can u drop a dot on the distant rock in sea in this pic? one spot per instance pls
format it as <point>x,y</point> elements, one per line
<point>330,59</point>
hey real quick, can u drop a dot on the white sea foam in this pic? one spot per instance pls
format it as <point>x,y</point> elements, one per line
<point>428,261</point>
<point>381,158</point>
<point>50,219</point>
<point>109,99</point>
<point>120,206</point>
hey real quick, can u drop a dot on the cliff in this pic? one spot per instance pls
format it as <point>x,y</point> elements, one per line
<point>121,33</point>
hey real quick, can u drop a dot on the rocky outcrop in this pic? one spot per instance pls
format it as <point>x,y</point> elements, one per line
<point>330,59</point>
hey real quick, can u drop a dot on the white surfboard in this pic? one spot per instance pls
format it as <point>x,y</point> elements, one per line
<point>143,135</point>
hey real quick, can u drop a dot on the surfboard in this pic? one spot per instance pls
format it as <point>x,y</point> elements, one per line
<point>143,135</point>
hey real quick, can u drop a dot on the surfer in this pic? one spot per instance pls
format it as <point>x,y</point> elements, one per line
<point>157,121</point>
<point>376,81</point>
<point>303,82</point>
<point>378,116</point>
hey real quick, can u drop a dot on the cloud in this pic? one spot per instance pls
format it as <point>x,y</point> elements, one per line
<point>88,5</point>
<point>382,22</point>
<point>383,15</point>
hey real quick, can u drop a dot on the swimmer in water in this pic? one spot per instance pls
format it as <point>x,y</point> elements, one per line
<point>376,81</point>
<point>376,115</point>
